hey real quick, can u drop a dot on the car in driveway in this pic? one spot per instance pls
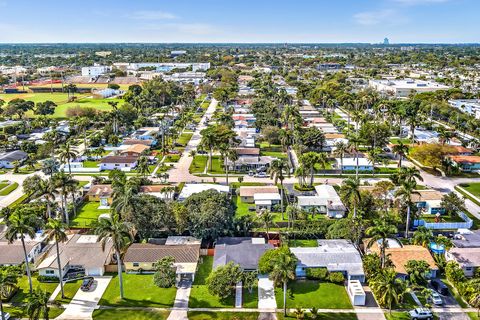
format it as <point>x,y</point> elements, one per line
<point>440,287</point>
<point>420,314</point>
<point>435,298</point>
<point>87,284</point>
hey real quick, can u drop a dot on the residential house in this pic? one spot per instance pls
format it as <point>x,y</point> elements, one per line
<point>467,239</point>
<point>9,159</point>
<point>249,163</point>
<point>350,164</point>
<point>11,254</point>
<point>467,258</point>
<point>244,251</point>
<point>466,163</point>
<point>123,163</point>
<point>101,193</point>
<point>247,192</point>
<point>135,150</point>
<point>248,152</point>
<point>146,133</point>
<point>80,254</point>
<point>326,201</point>
<point>192,188</point>
<point>337,255</point>
<point>266,201</point>
<point>129,142</point>
<point>428,201</point>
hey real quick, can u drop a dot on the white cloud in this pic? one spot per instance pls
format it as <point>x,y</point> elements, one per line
<point>370,18</point>
<point>419,2</point>
<point>152,15</point>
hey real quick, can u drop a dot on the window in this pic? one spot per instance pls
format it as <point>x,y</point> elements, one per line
<point>136,264</point>
<point>116,164</point>
<point>49,272</point>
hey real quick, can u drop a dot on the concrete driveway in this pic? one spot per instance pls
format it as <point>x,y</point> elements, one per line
<point>83,303</point>
<point>180,306</point>
<point>266,293</point>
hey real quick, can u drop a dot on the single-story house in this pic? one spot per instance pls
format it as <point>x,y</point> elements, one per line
<point>467,258</point>
<point>8,159</point>
<point>248,152</point>
<point>101,193</point>
<point>461,151</point>
<point>11,254</point>
<point>326,201</point>
<point>244,251</point>
<point>123,163</point>
<point>466,238</point>
<point>192,188</point>
<point>134,150</point>
<point>142,257</point>
<point>79,254</point>
<point>265,201</point>
<point>335,255</point>
<point>146,133</point>
<point>247,163</point>
<point>428,201</point>
<point>247,192</point>
<point>129,142</point>
<point>466,163</point>
<point>350,164</point>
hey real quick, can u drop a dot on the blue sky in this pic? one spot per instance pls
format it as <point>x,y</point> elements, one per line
<point>426,21</point>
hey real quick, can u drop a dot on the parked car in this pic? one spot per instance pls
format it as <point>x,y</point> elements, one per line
<point>440,287</point>
<point>6,315</point>
<point>435,298</point>
<point>421,313</point>
<point>87,284</point>
<point>261,175</point>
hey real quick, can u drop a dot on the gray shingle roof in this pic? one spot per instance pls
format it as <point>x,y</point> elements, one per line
<point>240,251</point>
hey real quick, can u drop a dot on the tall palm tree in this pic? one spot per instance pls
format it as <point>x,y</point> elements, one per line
<point>322,160</point>
<point>83,124</point>
<point>124,199</point>
<point>400,150</point>
<point>309,160</point>
<point>422,236</point>
<point>67,154</point>
<point>112,229</point>
<point>65,183</point>
<point>354,141</point>
<point>55,230</point>
<point>276,170</point>
<point>301,174</point>
<point>405,192</point>
<point>284,264</point>
<point>8,282</point>
<point>390,288</point>
<point>142,166</point>
<point>410,174</point>
<point>266,217</point>
<point>341,148</point>
<point>20,224</point>
<point>379,233</point>
<point>37,304</point>
<point>351,191</point>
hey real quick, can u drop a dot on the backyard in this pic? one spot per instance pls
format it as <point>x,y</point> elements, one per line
<point>88,214</point>
<point>140,291</point>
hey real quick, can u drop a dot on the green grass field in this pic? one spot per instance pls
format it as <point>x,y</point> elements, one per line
<point>129,314</point>
<point>473,188</point>
<point>20,312</point>
<point>302,243</point>
<point>8,188</point>
<point>88,214</point>
<point>140,291</point>
<point>309,294</point>
<point>23,288</point>
<point>69,289</point>
<point>200,315</point>
<point>184,138</point>
<point>200,162</point>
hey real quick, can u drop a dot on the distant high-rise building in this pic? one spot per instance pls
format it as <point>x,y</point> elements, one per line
<point>386,41</point>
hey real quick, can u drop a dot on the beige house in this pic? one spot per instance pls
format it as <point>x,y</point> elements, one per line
<point>247,193</point>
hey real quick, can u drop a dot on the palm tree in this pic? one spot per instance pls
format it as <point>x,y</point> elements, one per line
<point>142,166</point>
<point>390,289</point>
<point>379,233</point>
<point>266,217</point>
<point>22,223</point>
<point>124,199</point>
<point>276,169</point>
<point>83,124</point>
<point>8,282</point>
<point>284,264</point>
<point>400,150</point>
<point>351,191</point>
<point>341,148</point>
<point>475,302</point>
<point>192,153</point>
<point>119,234</point>
<point>67,154</point>
<point>353,142</point>
<point>405,192</point>
<point>227,153</point>
<point>301,174</point>
<point>65,183</point>
<point>410,174</point>
<point>37,304</point>
<point>56,231</point>
<point>309,160</point>
<point>422,236</point>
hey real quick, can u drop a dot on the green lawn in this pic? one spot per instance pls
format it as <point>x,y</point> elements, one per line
<point>20,313</point>
<point>443,218</point>
<point>473,188</point>
<point>69,289</point>
<point>23,288</point>
<point>322,316</point>
<point>309,294</point>
<point>172,158</point>
<point>88,214</point>
<point>3,184</point>
<point>242,207</point>
<point>184,138</point>
<point>140,291</point>
<point>200,315</point>
<point>200,162</point>
<point>7,189</point>
<point>90,164</point>
<point>201,298</point>
<point>275,154</point>
<point>400,316</point>
<point>129,314</point>
<point>303,243</point>
<point>473,315</point>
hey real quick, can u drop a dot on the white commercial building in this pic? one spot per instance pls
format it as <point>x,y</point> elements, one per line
<point>403,88</point>
<point>470,106</point>
<point>95,70</point>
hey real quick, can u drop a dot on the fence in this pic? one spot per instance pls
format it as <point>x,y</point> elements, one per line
<point>467,224</point>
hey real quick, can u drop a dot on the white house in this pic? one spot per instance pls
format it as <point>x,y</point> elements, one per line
<point>265,201</point>
<point>351,164</point>
<point>326,201</point>
<point>467,258</point>
<point>123,163</point>
<point>7,160</point>
<point>11,254</point>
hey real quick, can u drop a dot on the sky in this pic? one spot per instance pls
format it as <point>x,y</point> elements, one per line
<point>246,21</point>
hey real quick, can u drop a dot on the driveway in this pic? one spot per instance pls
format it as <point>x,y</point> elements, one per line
<point>84,303</point>
<point>180,306</point>
<point>266,293</point>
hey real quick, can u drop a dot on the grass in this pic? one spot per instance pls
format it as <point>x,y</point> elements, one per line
<point>18,201</point>
<point>69,289</point>
<point>3,184</point>
<point>201,298</point>
<point>473,188</point>
<point>200,315</point>
<point>140,291</point>
<point>473,315</point>
<point>200,162</point>
<point>394,315</point>
<point>184,138</point>
<point>20,313</point>
<point>443,218</point>
<point>322,316</point>
<point>88,214</point>
<point>309,294</point>
<point>23,288</point>
<point>90,164</point>
<point>172,158</point>
<point>6,190</point>
<point>275,154</point>
<point>476,221</point>
<point>129,314</point>
<point>303,243</point>
<point>242,207</point>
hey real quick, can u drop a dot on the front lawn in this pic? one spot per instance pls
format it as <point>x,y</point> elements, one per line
<point>309,294</point>
<point>302,243</point>
<point>90,164</point>
<point>69,289</point>
<point>400,316</point>
<point>184,138</point>
<point>129,314</point>
<point>140,291</point>
<point>473,188</point>
<point>20,313</point>
<point>7,189</point>
<point>200,315</point>
<point>200,162</point>
<point>23,288</point>
<point>323,316</point>
<point>88,214</point>
<point>171,158</point>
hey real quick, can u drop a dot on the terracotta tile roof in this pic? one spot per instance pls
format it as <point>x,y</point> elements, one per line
<point>425,195</point>
<point>137,141</point>
<point>100,190</point>
<point>249,191</point>
<point>147,252</point>
<point>461,149</point>
<point>152,188</point>
<point>400,256</point>
<point>136,148</point>
<point>119,159</point>
<point>466,159</point>
<point>248,151</point>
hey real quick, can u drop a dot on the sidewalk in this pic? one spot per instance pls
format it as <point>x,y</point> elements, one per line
<point>180,306</point>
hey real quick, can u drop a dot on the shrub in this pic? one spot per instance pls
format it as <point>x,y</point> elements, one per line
<point>47,279</point>
<point>317,273</point>
<point>336,277</point>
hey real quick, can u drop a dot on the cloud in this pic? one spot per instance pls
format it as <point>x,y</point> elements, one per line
<point>419,2</point>
<point>371,18</point>
<point>152,15</point>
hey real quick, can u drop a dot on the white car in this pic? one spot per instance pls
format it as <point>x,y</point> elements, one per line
<point>420,314</point>
<point>435,298</point>
<point>6,315</point>
<point>261,175</point>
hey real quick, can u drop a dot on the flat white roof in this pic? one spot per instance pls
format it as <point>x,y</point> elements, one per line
<point>266,196</point>
<point>353,162</point>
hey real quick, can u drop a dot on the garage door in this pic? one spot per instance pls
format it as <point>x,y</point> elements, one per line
<point>94,271</point>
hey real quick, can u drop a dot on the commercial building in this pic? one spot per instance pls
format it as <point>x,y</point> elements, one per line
<point>403,88</point>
